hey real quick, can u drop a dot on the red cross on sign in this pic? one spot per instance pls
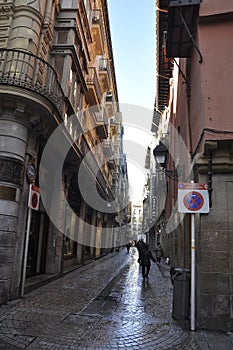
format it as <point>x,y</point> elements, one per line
<point>193,198</point>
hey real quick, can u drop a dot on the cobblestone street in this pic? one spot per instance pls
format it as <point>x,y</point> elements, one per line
<point>102,305</point>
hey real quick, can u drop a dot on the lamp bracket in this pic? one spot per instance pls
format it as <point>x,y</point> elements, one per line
<point>184,77</point>
<point>173,174</point>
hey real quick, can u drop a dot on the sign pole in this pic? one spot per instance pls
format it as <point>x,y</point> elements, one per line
<point>33,204</point>
<point>193,249</point>
<point>193,198</point>
<point>26,250</point>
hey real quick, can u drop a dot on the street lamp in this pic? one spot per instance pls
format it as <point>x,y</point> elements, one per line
<point>160,154</point>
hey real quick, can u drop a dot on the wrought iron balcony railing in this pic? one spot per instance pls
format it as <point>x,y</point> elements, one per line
<point>101,123</point>
<point>104,65</point>
<point>98,20</point>
<point>25,70</point>
<point>92,79</point>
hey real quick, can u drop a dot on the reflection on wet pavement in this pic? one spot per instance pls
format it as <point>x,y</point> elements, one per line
<point>128,304</point>
<point>105,305</point>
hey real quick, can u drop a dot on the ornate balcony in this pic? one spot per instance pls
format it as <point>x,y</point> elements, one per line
<point>104,73</point>
<point>94,89</point>
<point>111,164</point>
<point>101,123</point>
<point>115,124</point>
<point>97,30</point>
<point>109,104</point>
<point>25,70</point>
<point>108,148</point>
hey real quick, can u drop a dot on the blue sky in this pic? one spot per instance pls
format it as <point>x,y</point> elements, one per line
<point>132,24</point>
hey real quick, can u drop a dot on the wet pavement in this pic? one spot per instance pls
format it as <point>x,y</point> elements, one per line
<point>103,305</point>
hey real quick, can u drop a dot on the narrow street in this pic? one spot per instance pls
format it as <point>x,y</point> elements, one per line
<point>102,305</point>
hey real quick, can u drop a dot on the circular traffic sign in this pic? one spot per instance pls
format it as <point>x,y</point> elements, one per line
<point>193,201</point>
<point>31,172</point>
<point>34,200</point>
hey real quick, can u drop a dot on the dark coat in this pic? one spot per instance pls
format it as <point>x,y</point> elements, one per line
<point>146,257</point>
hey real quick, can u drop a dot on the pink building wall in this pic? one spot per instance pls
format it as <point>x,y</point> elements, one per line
<point>207,115</point>
<point>211,81</point>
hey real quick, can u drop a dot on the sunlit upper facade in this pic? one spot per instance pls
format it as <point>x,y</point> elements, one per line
<point>57,70</point>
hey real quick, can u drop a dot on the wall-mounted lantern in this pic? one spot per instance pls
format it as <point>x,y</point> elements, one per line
<point>160,154</point>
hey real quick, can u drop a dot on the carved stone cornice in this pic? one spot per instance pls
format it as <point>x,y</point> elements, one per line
<point>11,170</point>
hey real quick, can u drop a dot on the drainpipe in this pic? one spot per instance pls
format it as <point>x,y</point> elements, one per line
<point>210,173</point>
<point>210,147</point>
<point>188,105</point>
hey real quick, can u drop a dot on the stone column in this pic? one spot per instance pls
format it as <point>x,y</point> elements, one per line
<point>13,141</point>
<point>26,25</point>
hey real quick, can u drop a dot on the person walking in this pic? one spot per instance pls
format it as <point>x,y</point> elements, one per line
<point>146,257</point>
<point>159,253</point>
<point>140,246</point>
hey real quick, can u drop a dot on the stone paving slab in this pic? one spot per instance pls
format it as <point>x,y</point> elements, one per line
<point>103,305</point>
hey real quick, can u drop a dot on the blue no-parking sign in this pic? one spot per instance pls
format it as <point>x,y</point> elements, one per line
<point>193,198</point>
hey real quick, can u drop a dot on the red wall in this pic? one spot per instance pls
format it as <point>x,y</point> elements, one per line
<point>211,81</point>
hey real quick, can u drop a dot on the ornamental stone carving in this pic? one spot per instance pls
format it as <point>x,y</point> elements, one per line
<point>11,170</point>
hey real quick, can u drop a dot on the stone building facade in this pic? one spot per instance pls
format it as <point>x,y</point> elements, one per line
<point>56,70</point>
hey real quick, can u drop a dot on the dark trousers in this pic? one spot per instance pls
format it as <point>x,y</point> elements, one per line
<point>145,270</point>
